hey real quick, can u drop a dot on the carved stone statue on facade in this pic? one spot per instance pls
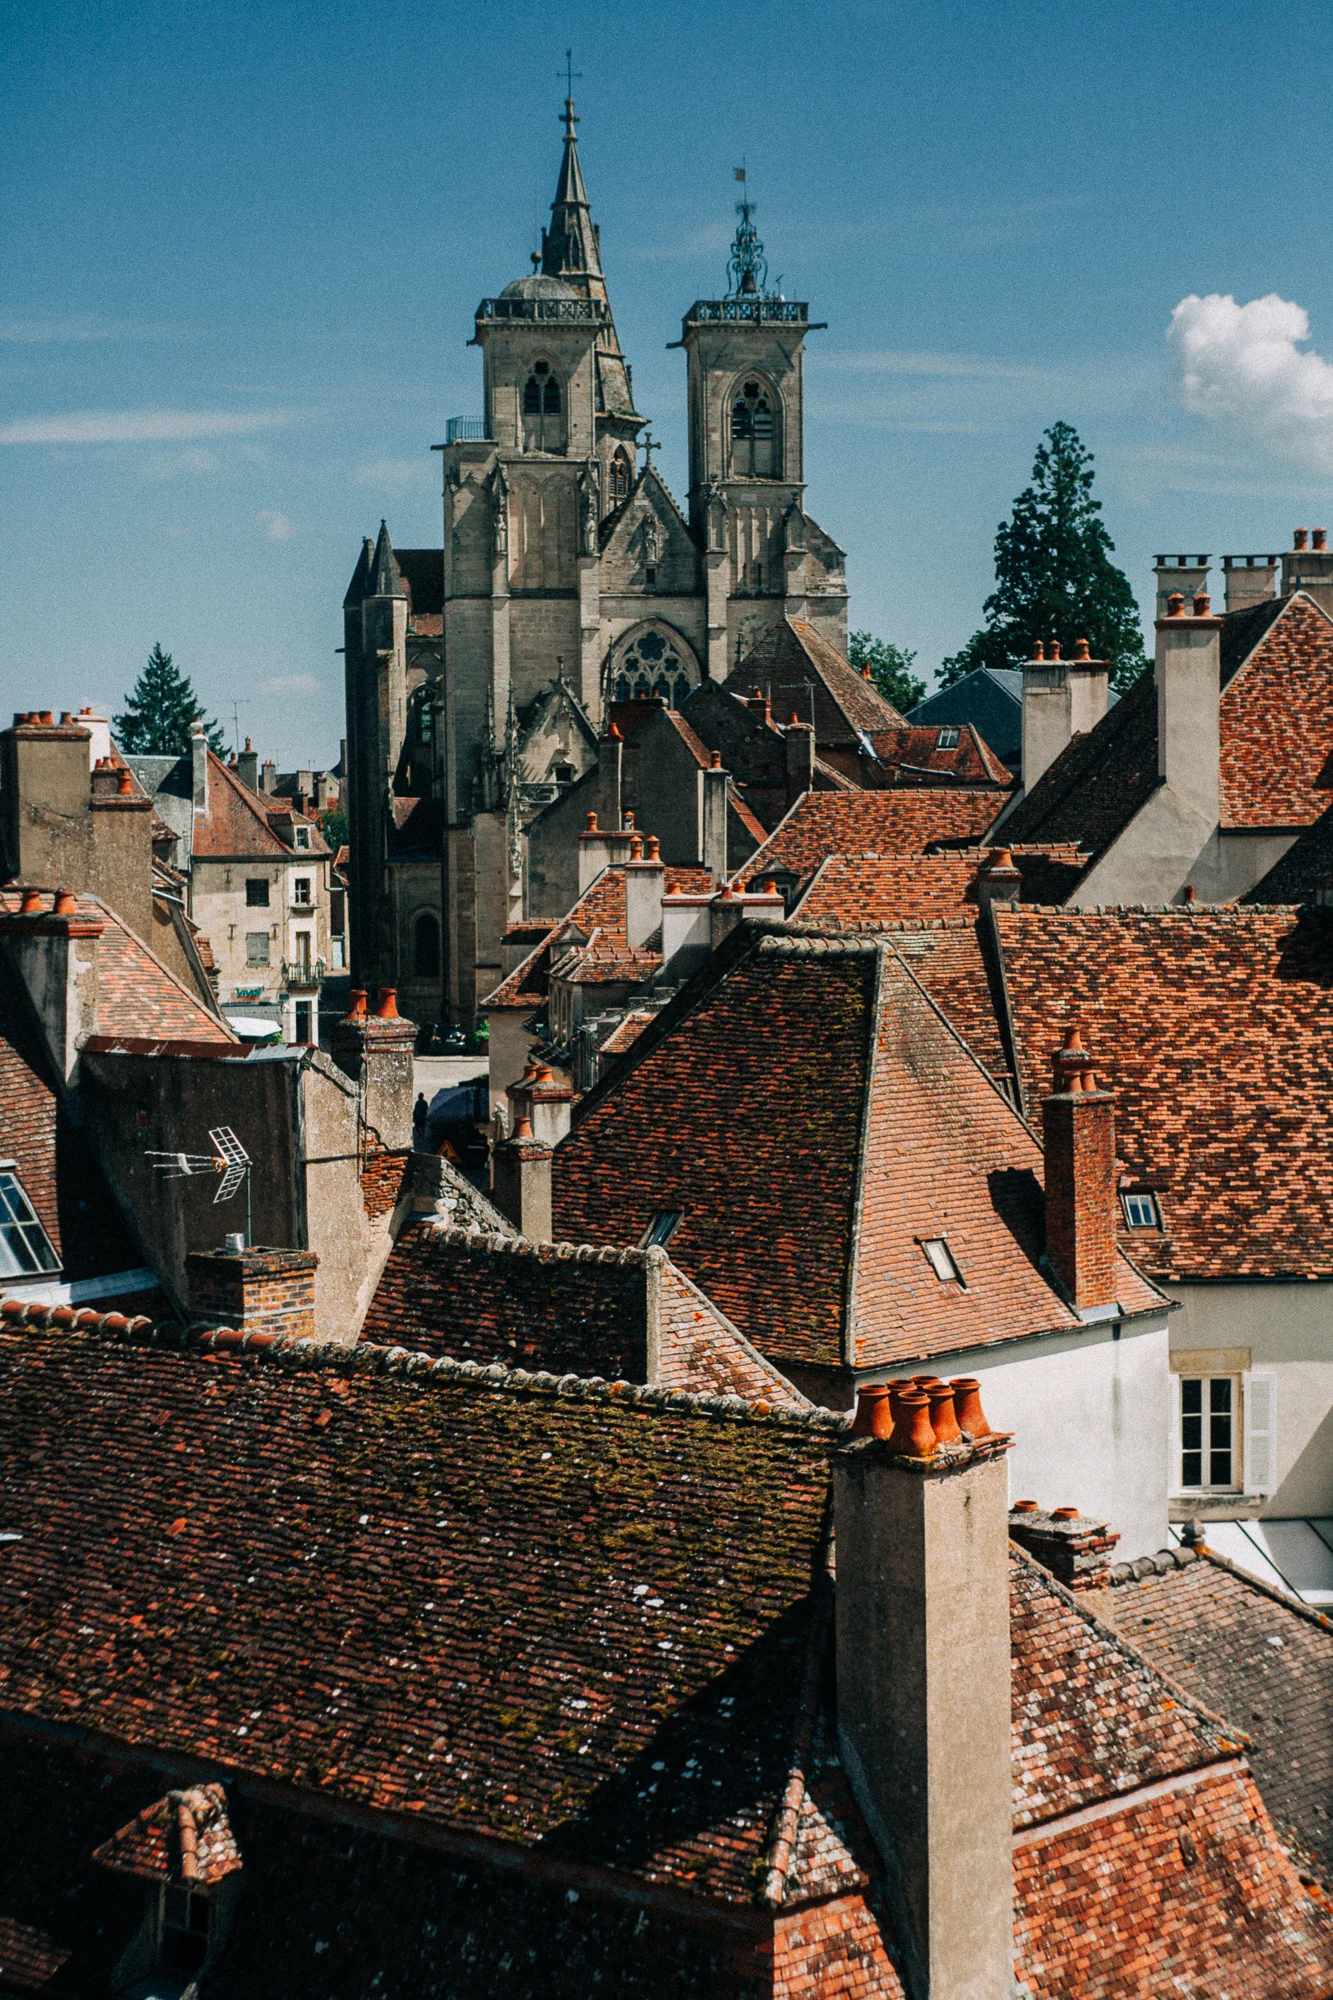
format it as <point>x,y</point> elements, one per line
<point>500,510</point>
<point>589,508</point>
<point>652,541</point>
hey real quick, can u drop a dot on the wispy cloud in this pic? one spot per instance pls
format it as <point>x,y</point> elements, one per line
<point>78,327</point>
<point>291,684</point>
<point>1242,368</point>
<point>276,526</point>
<point>138,426</point>
<point>396,474</point>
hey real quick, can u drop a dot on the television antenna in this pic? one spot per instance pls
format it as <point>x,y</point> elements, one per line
<point>228,1159</point>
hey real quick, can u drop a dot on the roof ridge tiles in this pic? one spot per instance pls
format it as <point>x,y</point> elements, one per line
<point>370,1358</point>
<point>1292,1604</point>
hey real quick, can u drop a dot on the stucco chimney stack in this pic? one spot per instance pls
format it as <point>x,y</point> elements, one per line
<point>521,1182</point>
<point>1078,1122</point>
<point>923,1673</point>
<point>1179,575</point>
<point>1309,567</point>
<point>1248,580</point>
<point>1188,675</point>
<point>645,879</point>
<point>1061,699</point>
<point>544,1101</point>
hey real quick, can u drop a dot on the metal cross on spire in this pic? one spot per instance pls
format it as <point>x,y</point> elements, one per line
<point>570,73</point>
<point>650,445</point>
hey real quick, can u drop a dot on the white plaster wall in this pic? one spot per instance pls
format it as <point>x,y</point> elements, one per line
<point>1288,1328</point>
<point>1091,1422</point>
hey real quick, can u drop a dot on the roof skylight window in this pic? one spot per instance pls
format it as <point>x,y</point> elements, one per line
<point>1141,1211</point>
<point>941,1260</point>
<point>947,739</point>
<point>661,1229</point>
<point>25,1247</point>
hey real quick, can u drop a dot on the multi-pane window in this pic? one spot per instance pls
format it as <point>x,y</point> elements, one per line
<point>753,434</point>
<point>301,889</point>
<point>256,892</point>
<point>651,665</point>
<point>947,739</point>
<point>256,947</point>
<point>25,1247</point>
<point>1141,1211</point>
<point>1209,1432</point>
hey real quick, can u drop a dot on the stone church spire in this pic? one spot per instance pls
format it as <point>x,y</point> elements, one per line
<point>571,248</point>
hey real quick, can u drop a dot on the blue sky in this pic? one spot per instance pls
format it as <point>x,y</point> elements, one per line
<point>244,245</point>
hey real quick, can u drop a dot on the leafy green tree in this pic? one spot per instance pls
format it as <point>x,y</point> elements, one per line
<point>890,669</point>
<point>159,711</point>
<point>1054,578</point>
<point>333,824</point>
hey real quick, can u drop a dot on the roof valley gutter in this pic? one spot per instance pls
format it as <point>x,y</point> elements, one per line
<point>862,1156</point>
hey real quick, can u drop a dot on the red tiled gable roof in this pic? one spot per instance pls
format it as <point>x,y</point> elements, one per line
<point>897,821</point>
<point>867,891</point>
<point>237,820</point>
<point>136,993</point>
<point>598,951</point>
<point>639,1697</point>
<point>948,960</point>
<point>703,1354</point>
<point>185,1838</point>
<point>624,1036</point>
<point>1249,1654</point>
<point>1215,1027</point>
<point>913,751</point>
<point>744,1105</point>
<point>792,655</point>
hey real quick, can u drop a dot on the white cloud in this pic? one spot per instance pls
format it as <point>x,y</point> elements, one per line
<point>1242,368</point>
<point>137,426</point>
<point>397,473</point>
<point>291,684</point>
<point>277,526</point>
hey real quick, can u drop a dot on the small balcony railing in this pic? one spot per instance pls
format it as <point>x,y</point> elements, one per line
<point>465,430</point>
<point>303,972</point>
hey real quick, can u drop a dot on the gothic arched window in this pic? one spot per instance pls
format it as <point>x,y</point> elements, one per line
<point>620,477</point>
<point>754,453</point>
<point>426,945</point>
<point>543,410</point>
<point>652,664</point>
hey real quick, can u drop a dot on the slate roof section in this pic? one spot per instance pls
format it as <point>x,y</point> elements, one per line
<point>900,820</point>
<point>914,755</point>
<point>1254,1657</point>
<point>991,698</point>
<point>1214,1025</point>
<point>792,655</point>
<point>184,1838</point>
<point>814,1118</point>
<point>640,1693</point>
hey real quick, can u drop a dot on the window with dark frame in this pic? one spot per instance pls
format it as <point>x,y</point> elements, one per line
<point>753,434</point>
<point>661,1229</point>
<point>25,1247</point>
<point>947,739</point>
<point>256,892</point>
<point>941,1260</point>
<point>186,1920</point>
<point>1209,1438</point>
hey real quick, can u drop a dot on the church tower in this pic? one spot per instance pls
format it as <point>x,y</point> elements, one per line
<point>764,559</point>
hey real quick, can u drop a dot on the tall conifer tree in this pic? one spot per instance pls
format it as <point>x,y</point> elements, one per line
<point>159,710</point>
<point>1054,577</point>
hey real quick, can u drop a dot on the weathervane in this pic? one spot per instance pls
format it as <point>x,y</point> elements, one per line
<point>228,1158</point>
<point>747,268</point>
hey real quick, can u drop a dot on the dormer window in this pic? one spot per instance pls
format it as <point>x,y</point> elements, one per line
<point>941,1260</point>
<point>947,740</point>
<point>25,1247</point>
<point>301,836</point>
<point>1141,1211</point>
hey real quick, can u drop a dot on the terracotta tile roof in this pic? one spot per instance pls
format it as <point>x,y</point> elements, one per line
<point>703,1354</point>
<point>1214,1024</point>
<point>636,1703</point>
<point>625,1035</point>
<point>184,1838</point>
<point>1252,1656</point>
<point>590,943</point>
<point>898,821</point>
<point>1276,737</point>
<point>912,753</point>
<point>136,993</point>
<point>948,960</point>
<point>784,663</point>
<point>744,1105</point>
<point>865,891</point>
<point>238,821</point>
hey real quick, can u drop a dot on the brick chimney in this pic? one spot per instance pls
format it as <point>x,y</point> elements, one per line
<point>1061,699</point>
<point>715,783</point>
<point>1188,672</point>
<point>1078,1122</point>
<point>254,1291</point>
<point>645,879</point>
<point>521,1182</point>
<point>544,1101</point>
<point>923,1670</point>
<point>376,1050</point>
<point>1248,580</point>
<point>1076,1550</point>
<point>1308,566</point>
<point>1179,576</point>
<point>799,738</point>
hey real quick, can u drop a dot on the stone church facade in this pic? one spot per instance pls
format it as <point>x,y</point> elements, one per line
<point>478,674</point>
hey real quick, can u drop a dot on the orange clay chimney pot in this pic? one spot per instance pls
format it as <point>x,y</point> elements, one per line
<point>125,789</point>
<point>636,849</point>
<point>1039,651</point>
<point>592,823</point>
<point>65,904</point>
<point>1175,605</point>
<point>1024,1507</point>
<point>912,1435</point>
<point>523,1130</point>
<point>1055,649</point>
<point>967,1406</point>
<point>1081,650</point>
<point>1319,539</point>
<point>1202,605</point>
<point>357,1010</point>
<point>388,1007</point>
<point>1300,538</point>
<point>717,760</point>
<point>943,1420</point>
<point>32,903</point>
<point>654,848</point>
<point>1064,1514</point>
<point>874,1415</point>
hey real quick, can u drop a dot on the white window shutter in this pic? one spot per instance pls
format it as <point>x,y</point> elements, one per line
<point>1260,1432</point>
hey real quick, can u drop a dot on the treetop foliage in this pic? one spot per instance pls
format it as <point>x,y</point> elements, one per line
<point>890,669</point>
<point>159,710</point>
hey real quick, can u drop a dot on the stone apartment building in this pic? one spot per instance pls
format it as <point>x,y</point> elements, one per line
<point>478,674</point>
<point>260,884</point>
